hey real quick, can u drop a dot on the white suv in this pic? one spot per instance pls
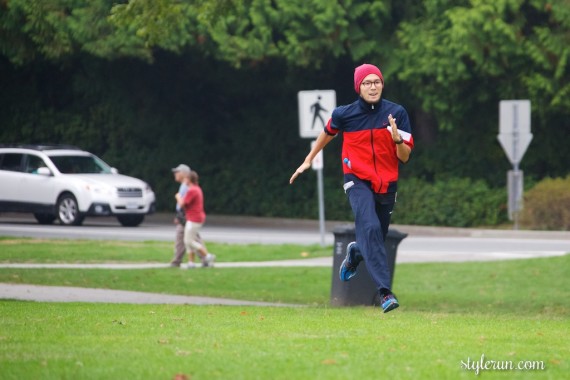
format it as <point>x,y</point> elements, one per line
<point>68,184</point>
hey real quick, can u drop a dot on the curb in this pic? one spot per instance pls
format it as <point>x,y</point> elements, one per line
<point>330,225</point>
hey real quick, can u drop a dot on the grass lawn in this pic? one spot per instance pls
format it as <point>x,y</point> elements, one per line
<point>24,250</point>
<point>451,313</point>
<point>102,341</point>
<point>539,286</point>
<point>289,285</point>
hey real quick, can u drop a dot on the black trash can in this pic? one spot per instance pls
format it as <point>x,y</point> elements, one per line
<point>360,290</point>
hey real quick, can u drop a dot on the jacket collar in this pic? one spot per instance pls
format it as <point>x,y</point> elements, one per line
<point>369,107</point>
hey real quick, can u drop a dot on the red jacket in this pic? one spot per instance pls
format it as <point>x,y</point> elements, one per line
<point>368,150</point>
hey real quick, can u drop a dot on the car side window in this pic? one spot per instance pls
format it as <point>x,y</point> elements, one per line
<point>11,162</point>
<point>33,163</point>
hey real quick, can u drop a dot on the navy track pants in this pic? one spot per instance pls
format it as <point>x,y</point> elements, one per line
<point>372,214</point>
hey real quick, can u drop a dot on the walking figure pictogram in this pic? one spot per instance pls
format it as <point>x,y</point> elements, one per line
<point>316,108</point>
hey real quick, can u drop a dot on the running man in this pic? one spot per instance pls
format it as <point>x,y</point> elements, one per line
<point>376,138</point>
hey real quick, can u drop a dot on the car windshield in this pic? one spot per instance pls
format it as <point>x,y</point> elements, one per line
<point>80,165</point>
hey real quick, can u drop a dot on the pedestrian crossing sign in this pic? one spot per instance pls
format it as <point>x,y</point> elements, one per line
<point>315,110</point>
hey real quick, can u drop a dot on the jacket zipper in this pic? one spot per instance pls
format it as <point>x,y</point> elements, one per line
<point>373,152</point>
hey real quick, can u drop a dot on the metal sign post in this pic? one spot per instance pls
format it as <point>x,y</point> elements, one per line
<point>315,109</point>
<point>515,137</point>
<point>318,165</point>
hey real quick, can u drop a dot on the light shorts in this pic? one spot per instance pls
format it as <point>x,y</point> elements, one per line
<point>191,231</point>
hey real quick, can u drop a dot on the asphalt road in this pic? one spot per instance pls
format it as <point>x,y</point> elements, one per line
<point>160,227</point>
<point>423,244</point>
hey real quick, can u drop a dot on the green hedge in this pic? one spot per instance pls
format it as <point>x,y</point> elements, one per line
<point>547,205</point>
<point>455,202</point>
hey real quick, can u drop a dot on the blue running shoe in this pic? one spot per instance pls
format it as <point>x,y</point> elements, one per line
<point>350,262</point>
<point>389,303</point>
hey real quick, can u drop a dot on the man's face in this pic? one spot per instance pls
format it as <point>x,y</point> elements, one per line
<point>371,89</point>
<point>178,176</point>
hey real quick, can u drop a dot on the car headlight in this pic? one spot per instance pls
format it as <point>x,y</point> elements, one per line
<point>99,189</point>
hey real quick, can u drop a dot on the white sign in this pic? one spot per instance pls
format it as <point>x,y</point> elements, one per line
<point>315,110</point>
<point>318,161</point>
<point>514,128</point>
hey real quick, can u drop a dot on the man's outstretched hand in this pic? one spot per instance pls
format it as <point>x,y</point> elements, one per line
<point>304,166</point>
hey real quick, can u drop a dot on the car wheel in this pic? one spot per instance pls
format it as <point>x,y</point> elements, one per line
<point>130,220</point>
<point>68,211</point>
<point>44,218</point>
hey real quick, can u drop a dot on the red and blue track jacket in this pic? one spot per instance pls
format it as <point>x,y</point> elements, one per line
<point>368,143</point>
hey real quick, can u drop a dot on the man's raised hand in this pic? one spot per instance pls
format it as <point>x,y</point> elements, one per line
<point>395,134</point>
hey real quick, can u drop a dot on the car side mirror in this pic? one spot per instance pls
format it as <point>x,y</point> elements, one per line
<point>44,171</point>
<point>114,171</point>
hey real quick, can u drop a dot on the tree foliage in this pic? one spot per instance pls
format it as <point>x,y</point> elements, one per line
<point>459,54</point>
<point>302,32</point>
<point>170,25</point>
<point>55,30</point>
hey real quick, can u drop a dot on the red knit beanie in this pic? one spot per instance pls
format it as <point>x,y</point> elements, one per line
<point>362,72</point>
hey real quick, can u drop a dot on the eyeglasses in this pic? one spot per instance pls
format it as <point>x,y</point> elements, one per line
<point>368,84</point>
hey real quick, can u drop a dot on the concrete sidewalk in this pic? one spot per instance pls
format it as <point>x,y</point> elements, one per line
<point>38,293</point>
<point>315,262</point>
<point>25,292</point>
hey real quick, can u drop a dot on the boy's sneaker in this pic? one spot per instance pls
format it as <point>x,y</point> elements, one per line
<point>209,260</point>
<point>190,266</point>
<point>389,303</point>
<point>350,263</point>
